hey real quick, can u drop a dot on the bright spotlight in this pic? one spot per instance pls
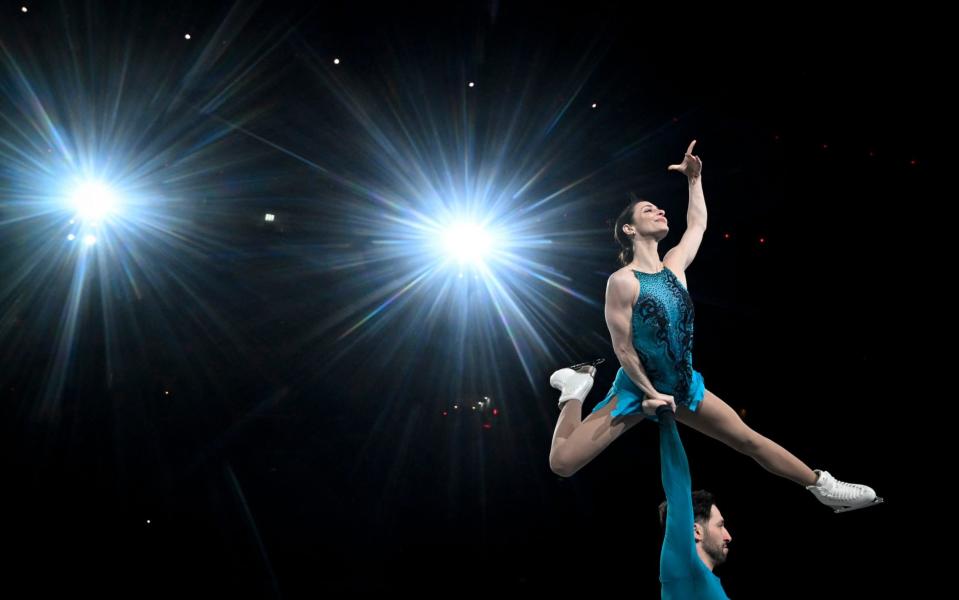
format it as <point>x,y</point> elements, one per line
<point>93,200</point>
<point>467,242</point>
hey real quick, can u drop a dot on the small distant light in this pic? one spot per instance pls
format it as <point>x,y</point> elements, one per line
<point>472,84</point>
<point>594,105</point>
<point>762,240</point>
<point>456,407</point>
<point>166,392</point>
<point>186,37</point>
<point>269,217</point>
<point>473,407</point>
<point>336,61</point>
<point>913,162</point>
<point>487,425</point>
<point>495,412</point>
<point>825,146</point>
<point>23,9</point>
<point>148,521</point>
<point>445,413</point>
<point>71,237</point>
<point>727,236</point>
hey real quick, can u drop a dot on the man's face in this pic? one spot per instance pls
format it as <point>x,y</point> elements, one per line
<point>715,537</point>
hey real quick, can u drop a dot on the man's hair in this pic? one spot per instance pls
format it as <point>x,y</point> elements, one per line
<point>703,503</point>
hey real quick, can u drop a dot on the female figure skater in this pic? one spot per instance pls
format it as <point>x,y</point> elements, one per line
<point>649,314</point>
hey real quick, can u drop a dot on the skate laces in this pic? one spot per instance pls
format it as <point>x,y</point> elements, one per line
<point>847,491</point>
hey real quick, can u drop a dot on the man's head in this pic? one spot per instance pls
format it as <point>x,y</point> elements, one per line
<point>709,529</point>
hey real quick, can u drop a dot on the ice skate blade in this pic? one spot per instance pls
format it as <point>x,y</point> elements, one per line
<point>843,509</point>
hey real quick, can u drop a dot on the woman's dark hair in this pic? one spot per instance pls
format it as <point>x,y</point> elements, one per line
<point>626,242</point>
